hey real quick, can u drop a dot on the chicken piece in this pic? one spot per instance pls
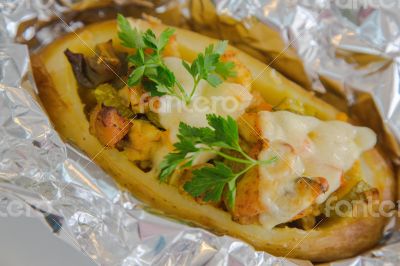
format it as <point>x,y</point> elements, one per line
<point>143,141</point>
<point>247,204</point>
<point>108,125</point>
<point>243,74</point>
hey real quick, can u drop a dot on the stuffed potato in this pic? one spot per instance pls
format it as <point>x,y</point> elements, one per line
<point>282,156</point>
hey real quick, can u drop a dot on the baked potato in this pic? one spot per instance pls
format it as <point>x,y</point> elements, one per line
<point>69,71</point>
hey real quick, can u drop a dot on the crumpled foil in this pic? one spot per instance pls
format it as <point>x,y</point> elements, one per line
<point>348,56</point>
<point>347,52</point>
<point>108,225</point>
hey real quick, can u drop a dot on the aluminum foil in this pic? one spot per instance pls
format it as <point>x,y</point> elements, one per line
<point>107,224</point>
<point>346,51</point>
<point>348,56</point>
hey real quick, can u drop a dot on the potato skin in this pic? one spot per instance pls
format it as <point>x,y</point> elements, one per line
<point>333,239</point>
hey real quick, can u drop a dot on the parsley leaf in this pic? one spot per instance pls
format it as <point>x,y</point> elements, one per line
<point>195,134</point>
<point>136,76</point>
<point>170,163</point>
<point>219,181</point>
<point>226,131</point>
<point>129,37</point>
<point>207,66</point>
<point>159,44</point>
<point>225,69</point>
<point>209,181</point>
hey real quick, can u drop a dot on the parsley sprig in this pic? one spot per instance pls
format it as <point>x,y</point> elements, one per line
<point>221,135</point>
<point>207,66</point>
<point>151,71</point>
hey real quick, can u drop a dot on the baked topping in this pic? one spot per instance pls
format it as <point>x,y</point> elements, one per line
<point>173,116</point>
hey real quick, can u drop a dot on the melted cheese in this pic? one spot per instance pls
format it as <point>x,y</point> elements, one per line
<point>305,147</point>
<point>226,99</point>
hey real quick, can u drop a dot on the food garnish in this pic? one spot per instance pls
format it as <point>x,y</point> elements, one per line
<point>222,135</point>
<point>156,77</point>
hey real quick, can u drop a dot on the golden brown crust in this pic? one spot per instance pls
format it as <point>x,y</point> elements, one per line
<point>334,238</point>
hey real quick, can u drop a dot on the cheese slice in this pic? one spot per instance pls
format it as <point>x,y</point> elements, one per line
<point>305,147</point>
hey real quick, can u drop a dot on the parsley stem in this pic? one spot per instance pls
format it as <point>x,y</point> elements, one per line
<point>245,154</point>
<point>248,160</point>
<point>226,156</point>
<point>273,159</point>
<point>244,171</point>
<point>196,82</point>
<point>251,165</point>
<point>239,150</point>
<point>183,92</point>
